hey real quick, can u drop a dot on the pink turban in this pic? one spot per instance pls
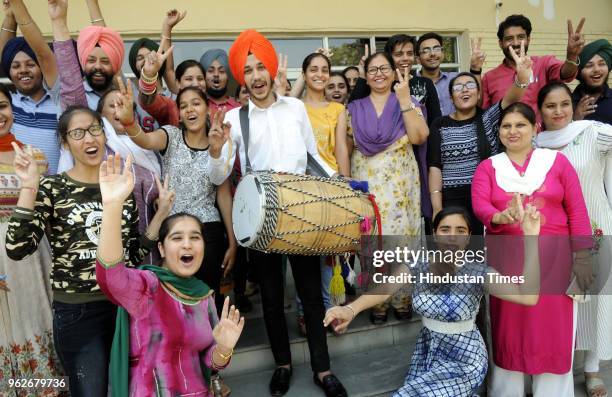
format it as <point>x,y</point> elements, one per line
<point>252,42</point>
<point>108,39</point>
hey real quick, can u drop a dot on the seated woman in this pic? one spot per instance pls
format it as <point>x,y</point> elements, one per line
<point>450,358</point>
<point>171,311</point>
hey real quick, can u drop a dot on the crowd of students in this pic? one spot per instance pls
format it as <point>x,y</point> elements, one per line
<point>116,204</point>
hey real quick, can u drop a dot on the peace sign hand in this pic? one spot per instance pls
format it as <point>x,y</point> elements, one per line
<point>166,196</point>
<point>280,81</point>
<point>478,56</point>
<point>25,166</point>
<point>124,104</point>
<point>523,64</point>
<point>575,40</point>
<point>219,134</point>
<point>154,61</point>
<point>361,66</point>
<point>402,88</point>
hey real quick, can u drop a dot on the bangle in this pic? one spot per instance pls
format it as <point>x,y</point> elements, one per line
<point>166,37</point>
<point>575,63</point>
<point>97,20</point>
<point>134,136</point>
<point>352,310</point>
<point>435,191</point>
<point>8,30</point>
<point>26,23</point>
<point>147,88</point>
<point>147,235</point>
<point>146,78</point>
<point>32,189</point>
<point>223,356</point>
<point>476,72</point>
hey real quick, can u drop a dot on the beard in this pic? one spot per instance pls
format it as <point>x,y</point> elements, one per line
<point>518,50</point>
<point>216,93</point>
<point>594,89</point>
<point>108,80</point>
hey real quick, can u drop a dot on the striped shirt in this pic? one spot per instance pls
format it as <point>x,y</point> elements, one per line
<point>35,123</point>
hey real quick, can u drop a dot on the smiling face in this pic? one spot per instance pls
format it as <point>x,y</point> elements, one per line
<point>317,74</point>
<point>403,57</point>
<point>257,80</point>
<point>26,74</point>
<point>512,38</point>
<point>595,72</point>
<point>465,93</point>
<point>89,150</point>
<point>452,233</point>
<point>556,109</point>
<point>193,77</point>
<point>380,80</point>
<point>516,133</point>
<point>141,56</point>
<point>192,111</point>
<point>98,70</point>
<point>336,90</point>
<point>430,54</point>
<point>183,248</point>
<point>6,115</point>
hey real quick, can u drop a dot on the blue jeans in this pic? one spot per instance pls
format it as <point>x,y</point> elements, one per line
<point>83,335</point>
<point>326,275</point>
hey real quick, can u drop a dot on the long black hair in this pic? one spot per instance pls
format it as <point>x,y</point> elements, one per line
<point>484,147</point>
<point>451,210</point>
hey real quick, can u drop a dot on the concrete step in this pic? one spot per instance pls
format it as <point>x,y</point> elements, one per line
<point>376,372</point>
<point>253,352</point>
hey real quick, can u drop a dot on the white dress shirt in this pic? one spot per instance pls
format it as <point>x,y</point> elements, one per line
<point>279,137</point>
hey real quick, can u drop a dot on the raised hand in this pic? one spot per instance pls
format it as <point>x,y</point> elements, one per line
<point>124,104</point>
<point>361,65</point>
<point>585,106</point>
<point>173,17</point>
<point>523,64</point>
<point>166,197</point>
<point>219,133</point>
<point>229,328</point>
<point>325,52</point>
<point>280,81</point>
<point>154,61</point>
<point>512,214</point>
<point>26,167</point>
<point>531,221</point>
<point>478,56</point>
<point>341,316</point>
<point>115,185</point>
<point>575,40</point>
<point>58,9</point>
<point>402,88</point>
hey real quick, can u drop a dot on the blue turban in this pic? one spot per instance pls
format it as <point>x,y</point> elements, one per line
<point>215,55</point>
<point>11,49</point>
<point>601,47</point>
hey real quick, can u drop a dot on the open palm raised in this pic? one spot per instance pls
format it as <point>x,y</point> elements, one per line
<point>115,185</point>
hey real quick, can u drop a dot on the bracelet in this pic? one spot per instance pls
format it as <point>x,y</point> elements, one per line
<point>26,23</point>
<point>97,20</point>
<point>476,72</point>
<point>109,264</point>
<point>352,310</point>
<point>147,235</point>
<point>520,85</point>
<point>435,191</point>
<point>146,78</point>
<point>134,136</point>
<point>147,88</point>
<point>165,37</point>
<point>223,356</point>
<point>575,63</point>
<point>8,30</point>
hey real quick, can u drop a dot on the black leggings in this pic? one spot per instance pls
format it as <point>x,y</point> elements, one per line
<point>210,272</point>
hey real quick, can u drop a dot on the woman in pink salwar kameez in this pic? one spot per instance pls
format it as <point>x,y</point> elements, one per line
<point>536,340</point>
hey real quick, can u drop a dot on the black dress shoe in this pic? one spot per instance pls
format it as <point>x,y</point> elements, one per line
<point>279,384</point>
<point>331,386</point>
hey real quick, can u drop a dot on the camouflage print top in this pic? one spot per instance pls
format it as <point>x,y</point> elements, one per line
<point>71,213</point>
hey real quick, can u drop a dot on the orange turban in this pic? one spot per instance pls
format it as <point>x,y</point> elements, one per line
<point>252,42</point>
<point>108,39</point>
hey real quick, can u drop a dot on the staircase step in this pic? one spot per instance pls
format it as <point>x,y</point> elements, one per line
<point>379,371</point>
<point>253,352</point>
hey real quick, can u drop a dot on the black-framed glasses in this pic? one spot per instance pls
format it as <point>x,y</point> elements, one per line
<point>470,85</point>
<point>384,69</point>
<point>79,133</point>
<point>429,50</point>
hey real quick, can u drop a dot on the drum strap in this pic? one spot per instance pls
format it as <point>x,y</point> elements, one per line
<point>312,166</point>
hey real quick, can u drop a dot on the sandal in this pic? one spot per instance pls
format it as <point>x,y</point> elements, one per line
<point>595,386</point>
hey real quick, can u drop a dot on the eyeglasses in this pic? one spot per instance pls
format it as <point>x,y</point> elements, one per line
<point>431,50</point>
<point>79,133</point>
<point>470,85</point>
<point>384,69</point>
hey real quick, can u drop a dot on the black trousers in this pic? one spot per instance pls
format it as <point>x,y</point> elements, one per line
<point>215,245</point>
<point>307,276</point>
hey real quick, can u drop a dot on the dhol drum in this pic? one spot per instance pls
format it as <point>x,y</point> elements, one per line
<point>300,214</point>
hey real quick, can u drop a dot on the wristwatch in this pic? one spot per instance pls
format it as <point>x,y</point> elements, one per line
<point>410,107</point>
